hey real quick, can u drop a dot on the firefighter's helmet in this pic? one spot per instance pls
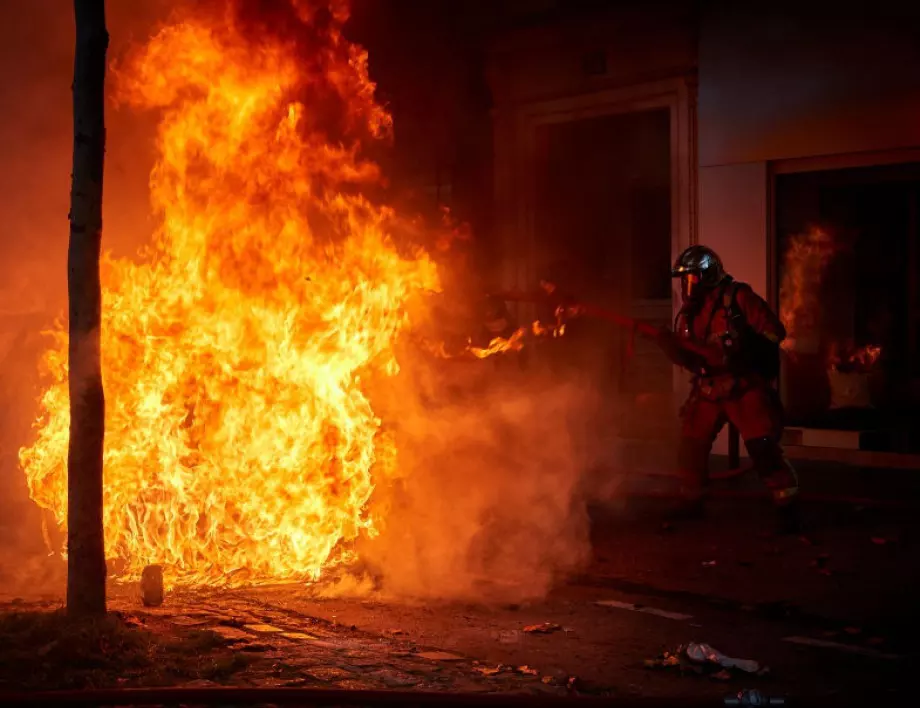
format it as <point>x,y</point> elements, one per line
<point>699,269</point>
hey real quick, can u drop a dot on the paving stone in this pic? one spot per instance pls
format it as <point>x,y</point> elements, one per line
<point>329,673</point>
<point>189,621</point>
<point>395,679</point>
<point>231,633</point>
<point>356,685</point>
<point>440,656</point>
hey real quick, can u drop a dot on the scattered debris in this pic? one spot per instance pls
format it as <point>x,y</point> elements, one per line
<point>527,670</point>
<point>489,670</point>
<point>152,586</point>
<point>704,653</point>
<point>440,656</point>
<point>663,660</point>
<point>698,658</point>
<point>544,628</point>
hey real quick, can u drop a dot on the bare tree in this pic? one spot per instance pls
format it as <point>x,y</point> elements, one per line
<point>86,571</point>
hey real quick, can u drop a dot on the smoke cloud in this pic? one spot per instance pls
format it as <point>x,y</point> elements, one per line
<point>493,502</point>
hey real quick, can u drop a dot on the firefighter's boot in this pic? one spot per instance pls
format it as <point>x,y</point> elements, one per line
<point>782,481</point>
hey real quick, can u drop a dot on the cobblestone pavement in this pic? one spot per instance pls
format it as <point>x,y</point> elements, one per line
<point>287,648</point>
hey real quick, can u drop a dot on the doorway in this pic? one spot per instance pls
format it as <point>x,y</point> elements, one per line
<point>602,217</point>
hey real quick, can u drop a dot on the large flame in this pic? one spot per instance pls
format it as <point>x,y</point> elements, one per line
<point>241,445</point>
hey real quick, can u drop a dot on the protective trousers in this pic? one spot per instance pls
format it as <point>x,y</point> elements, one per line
<point>757,413</point>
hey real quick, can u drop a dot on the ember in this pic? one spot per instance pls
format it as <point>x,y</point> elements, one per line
<point>241,446</point>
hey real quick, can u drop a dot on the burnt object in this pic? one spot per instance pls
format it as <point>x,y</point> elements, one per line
<point>152,586</point>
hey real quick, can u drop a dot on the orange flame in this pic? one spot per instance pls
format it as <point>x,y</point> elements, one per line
<point>515,342</point>
<point>240,443</point>
<point>861,360</point>
<point>804,262</point>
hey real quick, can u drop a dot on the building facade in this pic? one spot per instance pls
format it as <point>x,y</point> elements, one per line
<point>779,118</point>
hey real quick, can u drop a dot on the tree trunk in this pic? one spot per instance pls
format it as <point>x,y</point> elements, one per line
<point>86,571</point>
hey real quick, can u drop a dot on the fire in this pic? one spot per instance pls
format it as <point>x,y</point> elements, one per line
<point>804,262</point>
<point>859,360</point>
<point>515,342</point>
<point>241,446</point>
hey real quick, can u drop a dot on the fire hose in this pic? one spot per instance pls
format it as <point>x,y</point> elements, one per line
<point>634,326</point>
<point>645,329</point>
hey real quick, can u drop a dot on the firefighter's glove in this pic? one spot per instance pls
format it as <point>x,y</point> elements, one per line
<point>678,355</point>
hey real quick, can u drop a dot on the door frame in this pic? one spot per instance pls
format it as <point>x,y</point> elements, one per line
<point>514,133</point>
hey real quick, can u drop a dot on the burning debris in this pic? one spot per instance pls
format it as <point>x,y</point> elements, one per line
<point>849,373</point>
<point>860,360</point>
<point>702,659</point>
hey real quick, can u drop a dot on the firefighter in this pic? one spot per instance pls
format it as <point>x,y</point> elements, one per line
<point>732,382</point>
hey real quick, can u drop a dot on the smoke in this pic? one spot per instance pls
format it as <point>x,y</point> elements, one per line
<point>493,503</point>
